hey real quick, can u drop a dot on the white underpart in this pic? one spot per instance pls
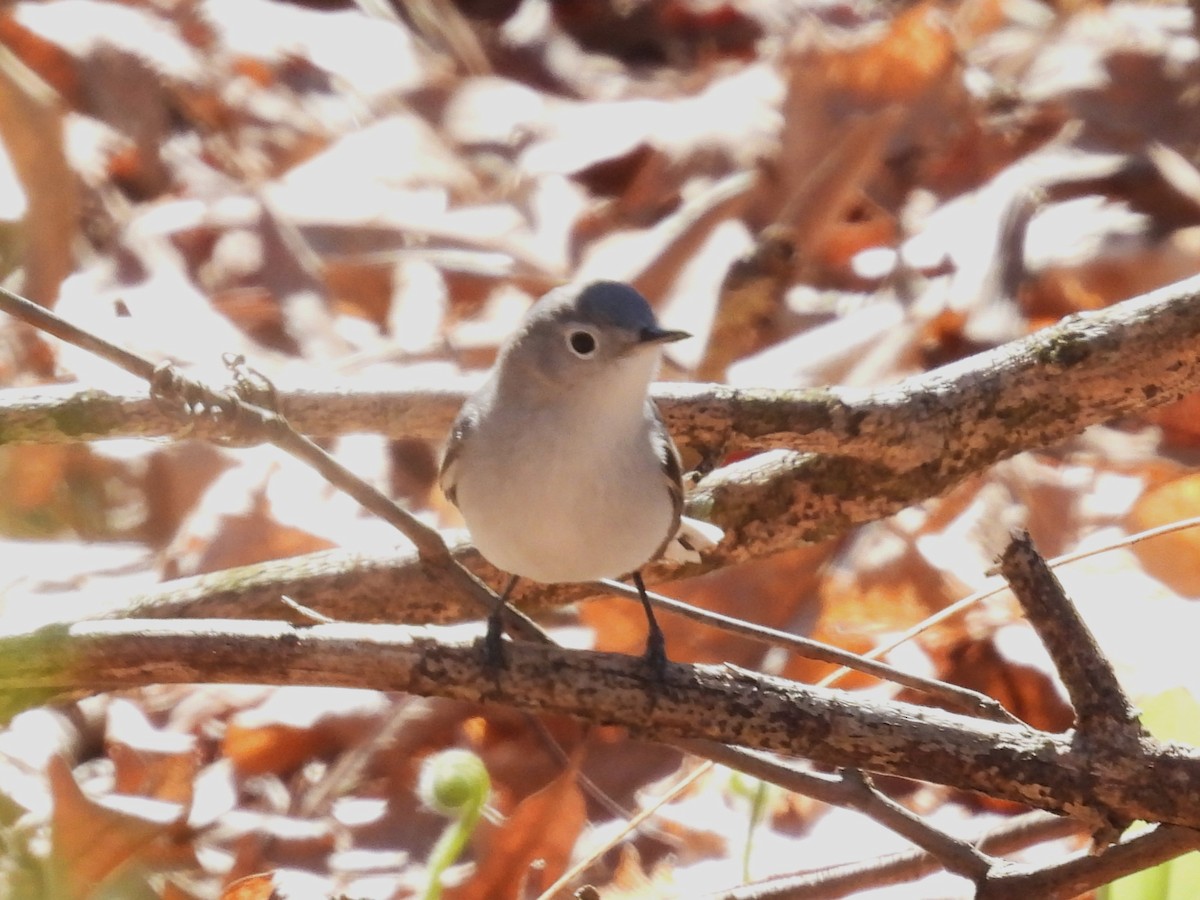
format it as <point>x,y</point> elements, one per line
<point>587,498</point>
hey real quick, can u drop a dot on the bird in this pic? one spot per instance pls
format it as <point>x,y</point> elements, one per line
<point>560,463</point>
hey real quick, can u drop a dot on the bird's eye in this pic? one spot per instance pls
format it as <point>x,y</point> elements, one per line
<point>582,343</point>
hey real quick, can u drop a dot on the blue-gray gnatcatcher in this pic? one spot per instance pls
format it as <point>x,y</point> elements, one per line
<point>560,463</point>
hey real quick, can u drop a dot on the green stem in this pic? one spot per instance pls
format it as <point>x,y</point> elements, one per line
<point>455,784</point>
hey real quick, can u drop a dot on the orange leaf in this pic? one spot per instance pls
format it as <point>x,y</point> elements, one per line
<point>1169,557</point>
<point>94,841</point>
<point>252,887</point>
<point>49,60</point>
<point>1180,421</point>
<point>917,52</point>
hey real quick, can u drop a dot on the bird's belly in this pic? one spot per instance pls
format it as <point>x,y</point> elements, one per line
<point>552,524</point>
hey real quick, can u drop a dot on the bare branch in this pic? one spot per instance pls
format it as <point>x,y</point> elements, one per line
<point>896,868</point>
<point>1154,781</point>
<point>882,450</point>
<point>1085,872</point>
<point>185,399</point>
<point>1103,712</point>
<point>853,791</point>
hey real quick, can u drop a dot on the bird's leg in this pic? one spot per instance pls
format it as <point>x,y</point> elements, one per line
<point>493,641</point>
<point>656,645</point>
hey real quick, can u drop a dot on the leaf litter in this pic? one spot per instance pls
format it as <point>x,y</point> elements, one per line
<point>825,193</point>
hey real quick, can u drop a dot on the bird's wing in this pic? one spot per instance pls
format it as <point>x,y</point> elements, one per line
<point>459,432</point>
<point>687,537</point>
<point>672,473</point>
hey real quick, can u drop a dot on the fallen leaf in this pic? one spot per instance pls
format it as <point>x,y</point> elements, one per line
<point>252,887</point>
<point>93,841</point>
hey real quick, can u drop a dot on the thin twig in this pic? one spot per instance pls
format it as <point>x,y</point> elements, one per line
<point>958,697</point>
<point>185,395</point>
<point>580,867</point>
<point>998,587</point>
<point>1086,872</point>
<point>896,868</point>
<point>853,791</point>
<point>28,311</point>
<point>874,452</point>
<point>957,855</point>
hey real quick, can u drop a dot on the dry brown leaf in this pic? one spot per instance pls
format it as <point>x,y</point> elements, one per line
<point>34,476</point>
<point>750,304</point>
<point>675,32</point>
<point>268,507</point>
<point>361,287</point>
<point>650,259</point>
<point>519,758</point>
<point>251,538</point>
<point>177,476</point>
<point>909,70</point>
<point>251,887</point>
<point>262,842</point>
<point>630,880</point>
<point>855,611</point>
<point>1024,690</point>
<point>70,489</point>
<point>148,761</point>
<point>777,592</point>
<point>93,841</point>
<point>32,128</point>
<point>295,724</point>
<point>867,225</point>
<point>256,311</point>
<point>917,52</point>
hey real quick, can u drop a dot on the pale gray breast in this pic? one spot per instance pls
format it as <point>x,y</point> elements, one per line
<point>564,494</point>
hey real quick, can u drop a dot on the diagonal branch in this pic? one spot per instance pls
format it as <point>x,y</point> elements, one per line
<point>182,398</point>
<point>1086,872</point>
<point>879,450</point>
<point>248,412</point>
<point>1103,711</point>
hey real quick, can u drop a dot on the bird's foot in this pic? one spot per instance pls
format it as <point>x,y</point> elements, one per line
<point>493,641</point>
<point>655,656</point>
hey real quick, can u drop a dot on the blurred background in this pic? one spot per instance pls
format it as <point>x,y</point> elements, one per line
<point>822,192</point>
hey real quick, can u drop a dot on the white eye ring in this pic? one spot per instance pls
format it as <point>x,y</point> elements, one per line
<point>582,343</point>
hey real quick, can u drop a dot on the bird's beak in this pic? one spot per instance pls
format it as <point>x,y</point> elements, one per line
<point>656,335</point>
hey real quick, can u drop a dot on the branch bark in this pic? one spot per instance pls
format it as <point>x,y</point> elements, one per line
<point>1153,781</point>
<point>1103,712</point>
<point>1088,369</point>
<point>866,454</point>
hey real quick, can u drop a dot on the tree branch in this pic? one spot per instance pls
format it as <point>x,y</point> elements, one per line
<point>1086,872</point>
<point>1154,781</point>
<point>1103,711</point>
<point>880,450</point>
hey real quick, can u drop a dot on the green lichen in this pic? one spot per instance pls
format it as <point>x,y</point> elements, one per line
<point>1063,350</point>
<point>87,414</point>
